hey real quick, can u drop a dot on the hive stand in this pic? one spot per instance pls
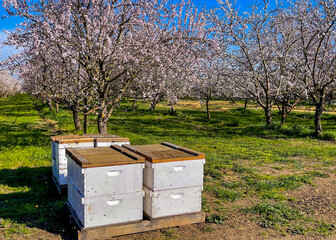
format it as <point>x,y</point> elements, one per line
<point>108,231</point>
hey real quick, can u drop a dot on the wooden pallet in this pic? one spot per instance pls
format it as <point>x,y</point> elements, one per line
<point>108,231</point>
<point>62,189</point>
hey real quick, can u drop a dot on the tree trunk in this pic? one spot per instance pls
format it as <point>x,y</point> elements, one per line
<point>49,102</point>
<point>207,109</point>
<point>172,109</point>
<point>245,105</point>
<point>282,119</point>
<point>102,127</point>
<point>268,117</point>
<point>156,99</point>
<point>101,120</point>
<point>75,114</point>
<point>152,105</point>
<point>134,103</point>
<point>57,107</point>
<point>85,121</point>
<point>268,113</point>
<point>232,100</point>
<point>317,119</point>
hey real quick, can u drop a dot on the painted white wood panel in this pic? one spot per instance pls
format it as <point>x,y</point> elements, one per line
<point>172,202</point>
<point>170,175</point>
<point>108,209</point>
<point>60,175</point>
<point>59,160</point>
<point>106,180</point>
<point>108,144</point>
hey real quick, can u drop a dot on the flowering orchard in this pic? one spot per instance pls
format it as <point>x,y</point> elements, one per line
<point>8,85</point>
<point>88,55</point>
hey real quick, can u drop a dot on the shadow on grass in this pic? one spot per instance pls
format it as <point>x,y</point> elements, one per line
<point>23,134</point>
<point>225,124</point>
<point>30,197</point>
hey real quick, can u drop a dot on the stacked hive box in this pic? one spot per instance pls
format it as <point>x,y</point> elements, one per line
<point>105,185</point>
<point>173,179</point>
<point>60,143</point>
<point>59,161</point>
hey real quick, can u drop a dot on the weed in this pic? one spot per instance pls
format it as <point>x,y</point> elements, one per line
<point>208,229</point>
<point>240,169</point>
<point>216,218</point>
<point>226,194</point>
<point>169,233</point>
<point>273,214</point>
<point>214,173</point>
<point>205,205</point>
<point>297,229</point>
<point>272,194</point>
<point>327,135</point>
<point>317,174</point>
<point>325,228</point>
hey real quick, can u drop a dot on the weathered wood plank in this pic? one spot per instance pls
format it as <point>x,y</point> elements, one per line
<point>165,152</point>
<point>187,150</point>
<point>109,231</point>
<point>103,156</point>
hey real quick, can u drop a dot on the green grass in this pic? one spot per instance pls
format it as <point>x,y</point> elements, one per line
<point>244,159</point>
<point>289,219</point>
<point>273,214</point>
<point>28,198</point>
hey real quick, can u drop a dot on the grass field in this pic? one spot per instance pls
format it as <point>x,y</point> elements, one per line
<point>260,183</point>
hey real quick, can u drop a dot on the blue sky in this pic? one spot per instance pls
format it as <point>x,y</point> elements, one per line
<point>6,24</point>
<point>11,22</point>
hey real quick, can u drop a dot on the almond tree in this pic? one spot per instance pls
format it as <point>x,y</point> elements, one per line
<point>211,80</point>
<point>257,49</point>
<point>8,85</point>
<point>111,41</point>
<point>48,74</point>
<point>316,51</point>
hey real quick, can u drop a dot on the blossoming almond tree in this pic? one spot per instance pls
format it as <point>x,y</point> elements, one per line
<point>258,48</point>
<point>211,79</point>
<point>316,51</point>
<point>110,41</point>
<point>8,85</point>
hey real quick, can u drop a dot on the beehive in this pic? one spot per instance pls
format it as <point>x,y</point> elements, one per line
<point>173,179</point>
<point>105,185</point>
<point>60,143</point>
<point>59,161</point>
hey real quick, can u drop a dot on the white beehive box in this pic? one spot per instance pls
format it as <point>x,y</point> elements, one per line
<point>172,202</point>
<point>173,179</point>
<point>105,185</point>
<point>169,166</point>
<point>60,143</point>
<point>59,161</point>
<point>115,177</point>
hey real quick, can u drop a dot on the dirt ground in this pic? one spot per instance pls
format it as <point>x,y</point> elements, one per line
<point>318,200</point>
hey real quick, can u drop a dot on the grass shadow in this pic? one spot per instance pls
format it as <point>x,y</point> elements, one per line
<point>29,197</point>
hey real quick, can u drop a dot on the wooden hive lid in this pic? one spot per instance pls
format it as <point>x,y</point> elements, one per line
<point>71,139</point>
<point>103,157</point>
<point>105,137</point>
<point>165,152</point>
